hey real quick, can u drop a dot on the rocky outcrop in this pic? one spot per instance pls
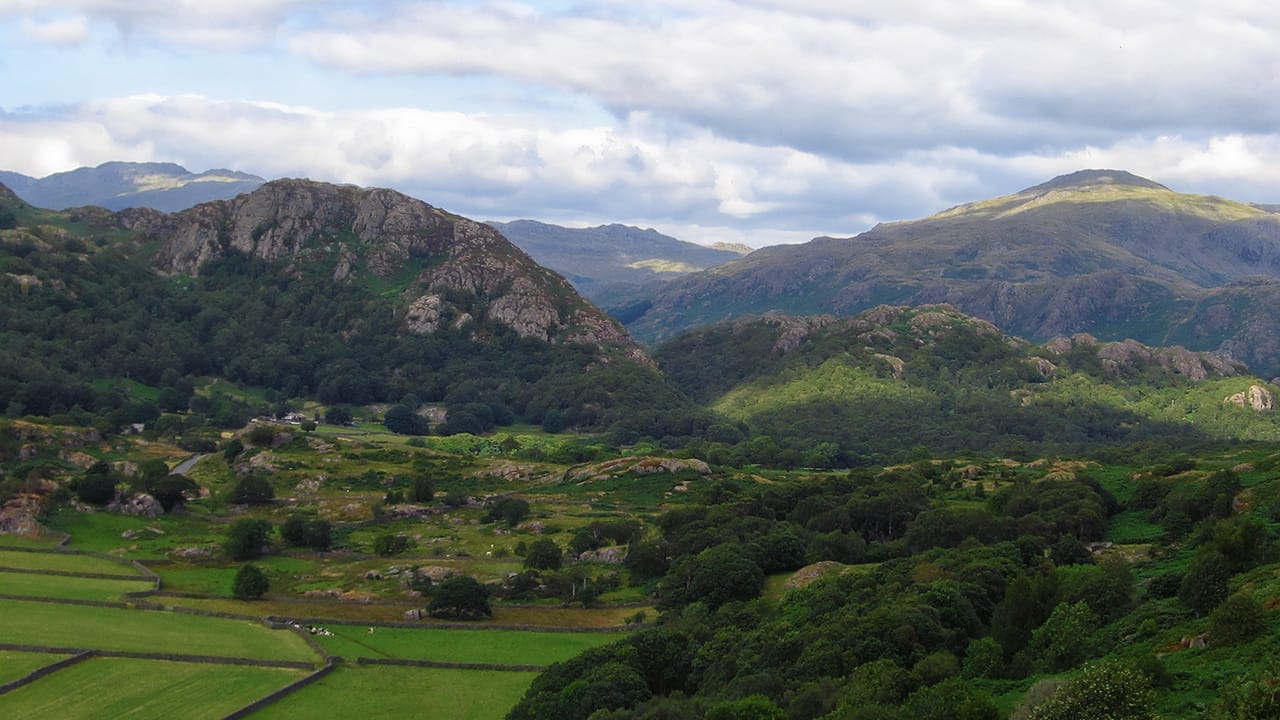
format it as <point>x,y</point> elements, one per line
<point>1257,398</point>
<point>140,505</point>
<point>637,466</point>
<point>353,232</point>
<point>1120,357</point>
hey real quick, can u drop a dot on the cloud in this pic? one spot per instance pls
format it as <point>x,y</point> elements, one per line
<point>642,171</point>
<point>65,31</point>
<point>224,24</point>
<point>864,79</point>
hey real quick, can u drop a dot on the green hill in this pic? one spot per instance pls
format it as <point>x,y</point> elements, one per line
<point>1103,252</point>
<point>874,386</point>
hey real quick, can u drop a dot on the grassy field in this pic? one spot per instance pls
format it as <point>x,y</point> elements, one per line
<point>55,625</point>
<point>15,665</point>
<point>551,617</point>
<point>101,532</point>
<point>110,688</point>
<point>503,647</point>
<point>388,692</point>
<point>65,562</point>
<point>69,588</point>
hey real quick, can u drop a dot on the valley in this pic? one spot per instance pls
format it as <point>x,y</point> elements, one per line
<point>321,449</point>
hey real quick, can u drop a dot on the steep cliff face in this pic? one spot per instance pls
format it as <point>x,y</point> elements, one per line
<point>444,266</point>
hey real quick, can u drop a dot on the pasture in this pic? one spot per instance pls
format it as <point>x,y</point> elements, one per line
<point>63,562</point>
<point>15,665</point>
<point>361,692</point>
<point>69,588</point>
<point>56,625</point>
<point>110,688</point>
<point>487,647</point>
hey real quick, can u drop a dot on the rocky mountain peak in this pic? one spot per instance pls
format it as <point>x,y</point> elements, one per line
<point>1093,178</point>
<point>357,234</point>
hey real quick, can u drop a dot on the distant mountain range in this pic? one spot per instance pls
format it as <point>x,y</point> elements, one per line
<point>1098,251</point>
<point>118,185</point>
<point>613,264</point>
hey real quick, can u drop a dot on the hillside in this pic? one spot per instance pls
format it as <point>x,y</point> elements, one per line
<point>117,185</point>
<point>305,290</point>
<point>612,264</point>
<point>894,380</point>
<point>1103,252</point>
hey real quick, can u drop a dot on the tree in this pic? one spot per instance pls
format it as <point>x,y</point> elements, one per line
<point>98,485</point>
<point>302,530</point>
<point>401,420</point>
<point>752,707</point>
<point>252,490</point>
<point>1070,551</point>
<point>460,597</point>
<point>544,554</point>
<point>510,510</point>
<point>338,415</point>
<point>1066,637</point>
<point>171,490</point>
<point>391,544</point>
<point>423,489</point>
<point>1102,691</point>
<point>250,583</point>
<point>1238,619</point>
<point>246,539</point>
<point>714,576</point>
<point>1205,584</point>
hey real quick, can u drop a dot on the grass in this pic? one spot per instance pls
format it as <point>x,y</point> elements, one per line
<point>112,688</point>
<point>55,625</point>
<point>15,665</point>
<point>69,588</point>
<point>101,532</point>
<point>1132,526</point>
<point>504,647</point>
<point>548,616</point>
<point>385,692</point>
<point>64,562</point>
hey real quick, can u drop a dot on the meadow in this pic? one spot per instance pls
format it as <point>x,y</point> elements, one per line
<point>105,628</point>
<point>362,692</point>
<point>63,562</point>
<point>111,688</point>
<point>480,646</point>
<point>15,664</point>
<point>69,588</point>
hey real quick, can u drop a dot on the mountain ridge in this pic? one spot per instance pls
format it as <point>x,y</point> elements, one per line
<point>1124,258</point>
<point>117,185</point>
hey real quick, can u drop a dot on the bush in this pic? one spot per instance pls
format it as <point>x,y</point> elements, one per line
<point>96,489</point>
<point>460,597</point>
<point>391,544</point>
<point>1238,619</point>
<point>301,530</point>
<point>1103,691</point>
<point>246,539</point>
<point>250,583</point>
<point>252,490</point>
<point>544,554</point>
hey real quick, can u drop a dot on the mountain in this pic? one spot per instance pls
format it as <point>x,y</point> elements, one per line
<point>307,290</point>
<point>612,264</point>
<point>868,388</point>
<point>1097,251</point>
<point>118,185</point>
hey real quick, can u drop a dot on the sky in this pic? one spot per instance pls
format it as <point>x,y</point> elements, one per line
<point>755,121</point>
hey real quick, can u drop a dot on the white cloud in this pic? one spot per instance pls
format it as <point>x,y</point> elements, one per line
<point>64,31</point>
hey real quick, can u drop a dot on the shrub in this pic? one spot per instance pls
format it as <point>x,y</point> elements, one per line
<point>252,490</point>
<point>250,583</point>
<point>1238,619</point>
<point>246,539</point>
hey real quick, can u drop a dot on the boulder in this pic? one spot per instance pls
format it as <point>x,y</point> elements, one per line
<point>1256,398</point>
<point>139,504</point>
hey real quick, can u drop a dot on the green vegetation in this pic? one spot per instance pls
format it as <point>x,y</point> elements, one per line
<point>15,665</point>
<point>69,588</point>
<point>110,688</point>
<point>62,562</point>
<point>500,647</point>
<point>53,625</point>
<point>443,694</point>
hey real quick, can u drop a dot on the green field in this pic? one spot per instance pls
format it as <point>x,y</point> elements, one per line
<point>15,665</point>
<point>110,688</point>
<point>69,588</point>
<point>63,562</point>
<point>390,692</point>
<point>55,625</point>
<point>502,647</point>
